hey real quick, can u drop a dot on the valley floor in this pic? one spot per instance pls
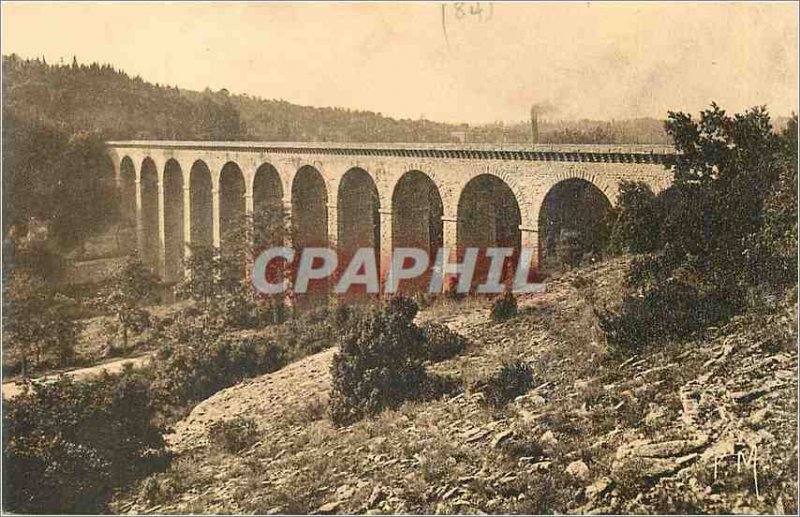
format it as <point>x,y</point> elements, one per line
<point>702,426</point>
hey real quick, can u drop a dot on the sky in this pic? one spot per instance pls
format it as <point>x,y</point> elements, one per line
<point>472,62</point>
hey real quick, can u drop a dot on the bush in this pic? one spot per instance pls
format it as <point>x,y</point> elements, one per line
<point>379,364</point>
<point>314,330</point>
<point>441,343</point>
<point>239,308</point>
<point>233,435</point>
<point>403,307</point>
<point>660,304</point>
<point>270,312</point>
<point>188,372</point>
<point>504,307</point>
<point>52,475</point>
<point>513,379</point>
<point>67,445</point>
<point>724,231</point>
<point>437,385</point>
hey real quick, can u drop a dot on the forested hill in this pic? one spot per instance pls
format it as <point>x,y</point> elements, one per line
<point>99,98</point>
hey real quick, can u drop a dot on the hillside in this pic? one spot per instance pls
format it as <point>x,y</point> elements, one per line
<point>99,98</point>
<point>705,426</point>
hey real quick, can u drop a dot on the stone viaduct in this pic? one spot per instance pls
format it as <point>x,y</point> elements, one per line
<point>377,195</point>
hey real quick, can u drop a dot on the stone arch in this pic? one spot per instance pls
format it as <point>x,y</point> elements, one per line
<point>201,212</point>
<point>309,223</point>
<point>573,211</point>
<point>358,213</point>
<point>309,208</point>
<point>489,215</point>
<point>452,196</point>
<point>417,211</point>
<point>268,212</point>
<point>148,186</point>
<point>605,181</point>
<point>231,201</point>
<point>174,245</point>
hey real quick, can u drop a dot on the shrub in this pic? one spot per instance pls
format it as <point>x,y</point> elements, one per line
<point>379,365</point>
<point>67,444</point>
<point>233,435</point>
<point>188,372</point>
<point>239,308</point>
<point>660,304</point>
<point>437,385</point>
<point>724,231</point>
<point>187,325</point>
<point>441,343</point>
<point>504,307</point>
<point>51,475</point>
<point>157,489</point>
<point>513,379</point>
<point>270,312</point>
<point>314,330</point>
<point>403,307</point>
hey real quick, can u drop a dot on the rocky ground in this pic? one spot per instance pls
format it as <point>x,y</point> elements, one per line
<point>704,426</point>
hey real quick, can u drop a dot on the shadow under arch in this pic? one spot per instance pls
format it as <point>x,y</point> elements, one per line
<point>269,217</point>
<point>201,213</point>
<point>573,222</point>
<point>151,242</point>
<point>417,211</point>
<point>488,216</point>
<point>359,222</point>
<point>231,204</point>
<point>174,245</point>
<point>127,204</point>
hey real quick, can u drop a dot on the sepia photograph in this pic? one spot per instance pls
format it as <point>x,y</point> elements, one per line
<point>399,258</point>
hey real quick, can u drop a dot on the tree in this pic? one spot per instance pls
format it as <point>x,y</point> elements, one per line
<point>65,182</point>
<point>216,281</point>
<point>132,286</point>
<point>728,166</point>
<point>636,226</point>
<point>37,325</point>
<point>200,283</point>
<point>219,280</point>
<point>728,229</point>
<point>776,261</point>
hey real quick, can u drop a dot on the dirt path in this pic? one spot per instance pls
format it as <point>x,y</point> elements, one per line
<point>12,389</point>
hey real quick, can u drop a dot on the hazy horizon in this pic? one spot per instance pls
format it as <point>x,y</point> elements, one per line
<point>592,61</point>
